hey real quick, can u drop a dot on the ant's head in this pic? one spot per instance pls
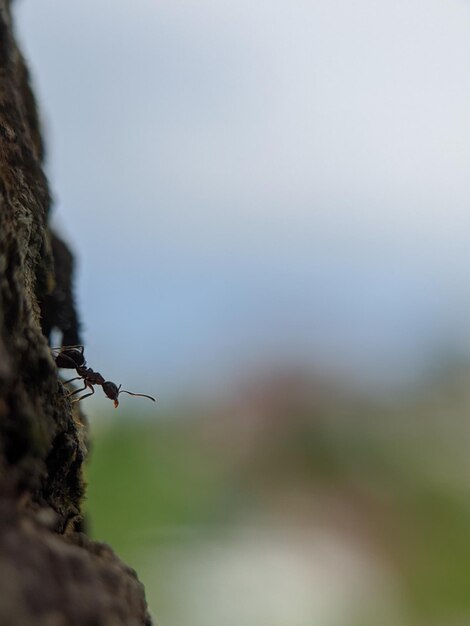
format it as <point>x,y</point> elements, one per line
<point>113,391</point>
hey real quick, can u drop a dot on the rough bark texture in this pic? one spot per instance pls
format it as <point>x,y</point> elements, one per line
<point>50,572</point>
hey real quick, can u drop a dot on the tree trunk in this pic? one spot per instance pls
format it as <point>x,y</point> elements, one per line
<point>51,574</point>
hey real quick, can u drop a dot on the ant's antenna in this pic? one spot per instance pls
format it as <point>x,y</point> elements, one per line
<point>142,395</point>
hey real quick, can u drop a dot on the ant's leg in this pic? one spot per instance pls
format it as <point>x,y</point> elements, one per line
<point>80,348</point>
<point>87,395</point>
<point>66,382</point>
<point>79,345</point>
<point>71,365</point>
<point>78,390</point>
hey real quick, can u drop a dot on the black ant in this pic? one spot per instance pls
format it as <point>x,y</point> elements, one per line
<point>72,357</point>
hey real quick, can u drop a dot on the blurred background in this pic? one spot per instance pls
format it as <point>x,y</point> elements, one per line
<point>269,207</point>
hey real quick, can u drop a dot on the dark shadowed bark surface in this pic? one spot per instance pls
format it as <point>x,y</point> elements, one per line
<point>51,574</point>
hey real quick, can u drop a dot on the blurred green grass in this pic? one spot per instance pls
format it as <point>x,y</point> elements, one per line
<point>151,483</point>
<point>145,477</point>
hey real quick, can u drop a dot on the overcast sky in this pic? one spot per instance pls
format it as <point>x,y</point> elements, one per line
<point>247,182</point>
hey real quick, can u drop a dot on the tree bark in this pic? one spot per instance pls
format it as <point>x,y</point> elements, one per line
<point>51,573</point>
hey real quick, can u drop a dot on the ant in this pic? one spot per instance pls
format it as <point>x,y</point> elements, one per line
<point>72,357</point>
